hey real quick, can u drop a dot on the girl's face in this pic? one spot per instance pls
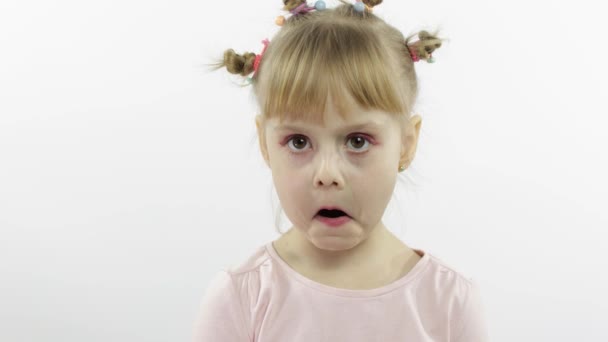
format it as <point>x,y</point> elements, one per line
<point>351,164</point>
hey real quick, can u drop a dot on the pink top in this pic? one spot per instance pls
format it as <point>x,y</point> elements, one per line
<point>265,300</point>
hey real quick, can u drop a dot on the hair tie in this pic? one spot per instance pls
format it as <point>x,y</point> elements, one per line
<point>302,9</point>
<point>320,5</point>
<point>416,54</point>
<point>413,53</point>
<point>257,60</point>
<point>361,7</point>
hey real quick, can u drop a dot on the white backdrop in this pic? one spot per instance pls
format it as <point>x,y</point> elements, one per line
<point>129,175</point>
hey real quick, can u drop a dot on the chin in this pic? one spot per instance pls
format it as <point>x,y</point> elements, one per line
<point>334,243</point>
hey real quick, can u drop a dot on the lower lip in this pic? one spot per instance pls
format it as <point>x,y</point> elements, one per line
<point>333,222</point>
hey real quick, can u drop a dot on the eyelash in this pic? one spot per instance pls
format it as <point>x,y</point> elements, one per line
<point>290,138</point>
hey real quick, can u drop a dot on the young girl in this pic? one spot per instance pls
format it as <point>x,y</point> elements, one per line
<point>336,87</point>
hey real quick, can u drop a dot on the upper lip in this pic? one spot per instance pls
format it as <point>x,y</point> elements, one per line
<point>333,208</point>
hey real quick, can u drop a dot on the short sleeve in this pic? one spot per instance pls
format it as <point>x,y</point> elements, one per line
<point>472,326</point>
<point>221,318</point>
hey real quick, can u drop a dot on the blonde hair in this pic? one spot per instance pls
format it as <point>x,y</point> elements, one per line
<point>334,52</point>
<point>338,53</point>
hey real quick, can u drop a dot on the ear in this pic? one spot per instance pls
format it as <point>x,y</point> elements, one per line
<point>259,124</point>
<point>409,140</point>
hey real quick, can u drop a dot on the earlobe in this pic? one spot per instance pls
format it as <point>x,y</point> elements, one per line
<point>259,124</point>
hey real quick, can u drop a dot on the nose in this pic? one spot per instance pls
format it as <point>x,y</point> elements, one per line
<point>328,173</point>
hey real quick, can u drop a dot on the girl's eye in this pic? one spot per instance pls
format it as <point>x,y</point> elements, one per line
<point>359,141</point>
<point>299,142</point>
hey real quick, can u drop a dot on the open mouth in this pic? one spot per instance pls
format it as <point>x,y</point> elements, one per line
<point>333,213</point>
<point>333,217</point>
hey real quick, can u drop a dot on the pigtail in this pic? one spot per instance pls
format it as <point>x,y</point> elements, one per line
<point>292,4</point>
<point>372,3</point>
<point>238,64</point>
<point>424,47</point>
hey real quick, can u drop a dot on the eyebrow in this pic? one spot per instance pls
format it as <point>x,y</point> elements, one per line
<point>371,125</point>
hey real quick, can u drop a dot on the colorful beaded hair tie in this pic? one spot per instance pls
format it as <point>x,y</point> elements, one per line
<point>320,6</point>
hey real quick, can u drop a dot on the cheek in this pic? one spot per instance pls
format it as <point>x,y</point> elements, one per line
<point>376,183</point>
<point>289,185</point>
<point>381,185</point>
<point>380,166</point>
<point>294,196</point>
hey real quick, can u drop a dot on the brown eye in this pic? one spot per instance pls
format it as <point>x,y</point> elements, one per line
<point>358,142</point>
<point>298,142</point>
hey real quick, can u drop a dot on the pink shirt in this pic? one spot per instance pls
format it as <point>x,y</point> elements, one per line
<point>265,300</point>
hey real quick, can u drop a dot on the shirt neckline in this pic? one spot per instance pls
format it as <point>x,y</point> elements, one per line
<point>411,275</point>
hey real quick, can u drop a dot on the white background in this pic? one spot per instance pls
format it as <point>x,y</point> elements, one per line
<point>130,175</point>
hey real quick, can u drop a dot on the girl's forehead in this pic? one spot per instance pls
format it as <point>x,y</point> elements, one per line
<point>340,108</point>
<point>372,119</point>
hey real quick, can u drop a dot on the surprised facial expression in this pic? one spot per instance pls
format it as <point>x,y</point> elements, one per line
<point>347,164</point>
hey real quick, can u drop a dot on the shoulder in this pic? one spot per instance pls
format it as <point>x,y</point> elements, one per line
<point>251,278</point>
<point>259,257</point>
<point>448,283</point>
<point>459,295</point>
<point>242,279</point>
<point>446,275</point>
<point>221,315</point>
<point>230,278</point>
<point>231,295</point>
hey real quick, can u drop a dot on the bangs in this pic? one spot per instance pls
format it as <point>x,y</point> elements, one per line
<point>341,60</point>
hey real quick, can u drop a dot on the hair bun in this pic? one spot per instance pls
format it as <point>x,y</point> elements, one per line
<point>292,4</point>
<point>372,3</point>
<point>426,44</point>
<point>239,64</point>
